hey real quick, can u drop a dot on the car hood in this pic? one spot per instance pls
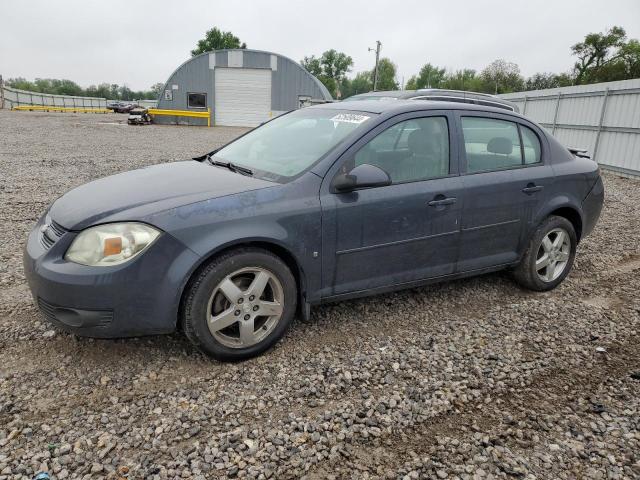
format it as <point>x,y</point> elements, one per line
<point>138,193</point>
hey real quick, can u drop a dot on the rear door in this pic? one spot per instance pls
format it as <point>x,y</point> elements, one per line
<point>506,181</point>
<point>403,232</point>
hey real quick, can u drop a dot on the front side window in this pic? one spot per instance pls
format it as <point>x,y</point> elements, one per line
<point>410,151</point>
<point>490,144</point>
<point>197,100</point>
<point>292,143</point>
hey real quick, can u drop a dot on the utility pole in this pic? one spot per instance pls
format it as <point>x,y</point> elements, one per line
<point>375,71</point>
<point>1,93</point>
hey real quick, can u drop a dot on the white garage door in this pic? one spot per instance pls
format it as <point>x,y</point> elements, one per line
<point>242,96</point>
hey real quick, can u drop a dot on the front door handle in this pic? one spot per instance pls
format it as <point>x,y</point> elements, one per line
<point>441,202</point>
<point>532,188</point>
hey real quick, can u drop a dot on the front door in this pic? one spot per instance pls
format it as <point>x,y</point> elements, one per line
<point>396,234</point>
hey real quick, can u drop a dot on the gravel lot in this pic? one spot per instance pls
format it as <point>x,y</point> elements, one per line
<point>468,379</point>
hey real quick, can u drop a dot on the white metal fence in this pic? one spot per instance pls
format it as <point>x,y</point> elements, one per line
<point>13,98</point>
<point>603,118</point>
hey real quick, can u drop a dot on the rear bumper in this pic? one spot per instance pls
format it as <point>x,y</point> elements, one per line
<point>140,297</point>
<point>592,206</point>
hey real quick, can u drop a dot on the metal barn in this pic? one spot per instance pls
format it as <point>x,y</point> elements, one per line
<point>241,88</point>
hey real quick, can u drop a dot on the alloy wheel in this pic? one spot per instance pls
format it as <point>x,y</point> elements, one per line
<point>245,307</point>
<point>553,255</point>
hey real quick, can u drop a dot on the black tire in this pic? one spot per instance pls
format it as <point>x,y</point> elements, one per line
<point>526,273</point>
<point>195,307</point>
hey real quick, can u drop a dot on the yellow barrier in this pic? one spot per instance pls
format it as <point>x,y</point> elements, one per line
<point>51,108</point>
<point>183,113</point>
<point>152,111</point>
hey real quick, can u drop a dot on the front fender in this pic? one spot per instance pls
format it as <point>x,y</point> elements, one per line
<point>286,217</point>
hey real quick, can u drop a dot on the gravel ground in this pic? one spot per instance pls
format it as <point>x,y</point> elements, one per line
<point>469,379</point>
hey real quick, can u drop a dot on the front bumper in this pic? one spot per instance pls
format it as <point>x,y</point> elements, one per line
<point>140,297</point>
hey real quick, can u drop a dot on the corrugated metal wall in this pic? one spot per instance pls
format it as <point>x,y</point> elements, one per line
<point>603,117</point>
<point>14,98</point>
<point>197,75</point>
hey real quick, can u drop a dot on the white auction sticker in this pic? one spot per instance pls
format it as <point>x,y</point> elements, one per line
<point>349,118</point>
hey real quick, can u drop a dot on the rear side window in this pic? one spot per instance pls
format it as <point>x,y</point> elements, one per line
<point>531,145</point>
<point>410,151</point>
<point>490,144</point>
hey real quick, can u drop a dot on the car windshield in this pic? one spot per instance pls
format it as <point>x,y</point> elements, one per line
<point>292,143</point>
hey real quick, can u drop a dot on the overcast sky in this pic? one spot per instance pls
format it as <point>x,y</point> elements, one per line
<point>139,43</point>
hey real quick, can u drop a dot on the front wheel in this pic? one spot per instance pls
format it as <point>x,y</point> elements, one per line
<point>549,256</point>
<point>240,304</point>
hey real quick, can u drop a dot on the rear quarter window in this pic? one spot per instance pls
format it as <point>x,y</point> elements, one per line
<point>530,145</point>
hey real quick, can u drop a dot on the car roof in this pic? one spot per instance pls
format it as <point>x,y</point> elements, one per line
<point>402,105</point>
<point>435,94</point>
<point>385,93</point>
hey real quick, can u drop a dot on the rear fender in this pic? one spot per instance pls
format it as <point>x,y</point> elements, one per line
<point>556,203</point>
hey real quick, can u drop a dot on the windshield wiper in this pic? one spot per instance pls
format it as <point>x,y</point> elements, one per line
<point>231,166</point>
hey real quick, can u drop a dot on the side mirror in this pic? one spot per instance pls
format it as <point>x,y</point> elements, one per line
<point>362,176</point>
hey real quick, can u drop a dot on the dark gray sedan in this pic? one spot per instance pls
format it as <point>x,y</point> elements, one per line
<point>321,204</point>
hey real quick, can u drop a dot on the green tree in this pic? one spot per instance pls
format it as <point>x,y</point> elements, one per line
<point>67,87</point>
<point>630,56</point>
<point>104,91</point>
<point>412,83</point>
<point>125,93</point>
<point>386,75</point>
<point>540,81</point>
<point>331,69</point>
<point>503,76</point>
<point>335,64</point>
<point>312,65</point>
<point>597,52</point>
<point>429,76</point>
<point>464,79</point>
<point>361,83</point>
<point>215,39</point>
<point>156,90</point>
<point>21,84</point>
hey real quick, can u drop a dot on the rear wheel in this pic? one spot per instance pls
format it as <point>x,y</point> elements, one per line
<point>240,304</point>
<point>549,256</point>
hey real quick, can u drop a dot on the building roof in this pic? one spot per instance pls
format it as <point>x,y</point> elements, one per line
<point>320,85</point>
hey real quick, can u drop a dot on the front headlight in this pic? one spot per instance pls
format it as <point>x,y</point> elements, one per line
<point>111,244</point>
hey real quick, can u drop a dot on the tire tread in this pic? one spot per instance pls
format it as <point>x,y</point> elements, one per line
<point>187,317</point>
<point>524,274</point>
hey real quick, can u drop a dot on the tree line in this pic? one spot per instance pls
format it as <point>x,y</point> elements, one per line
<point>67,87</point>
<point>600,57</point>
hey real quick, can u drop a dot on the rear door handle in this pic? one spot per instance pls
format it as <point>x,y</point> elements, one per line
<point>441,202</point>
<point>531,188</point>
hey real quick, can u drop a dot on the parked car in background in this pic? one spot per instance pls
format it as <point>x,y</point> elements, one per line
<point>324,203</point>
<point>121,107</point>
<point>437,94</point>
<point>139,116</point>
